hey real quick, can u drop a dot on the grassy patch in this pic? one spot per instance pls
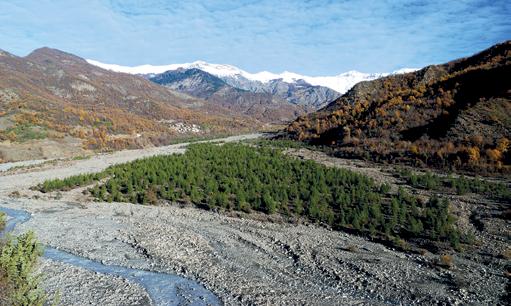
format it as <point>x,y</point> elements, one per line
<point>25,132</point>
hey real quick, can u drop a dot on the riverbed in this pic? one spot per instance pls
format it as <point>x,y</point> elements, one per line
<point>241,259</point>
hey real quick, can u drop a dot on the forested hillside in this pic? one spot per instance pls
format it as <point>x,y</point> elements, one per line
<point>455,115</point>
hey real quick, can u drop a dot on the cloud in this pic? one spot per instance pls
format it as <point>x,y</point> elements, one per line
<point>310,37</point>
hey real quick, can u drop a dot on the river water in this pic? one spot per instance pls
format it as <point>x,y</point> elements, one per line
<point>164,289</point>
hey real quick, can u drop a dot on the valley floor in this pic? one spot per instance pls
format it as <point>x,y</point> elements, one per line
<point>242,260</point>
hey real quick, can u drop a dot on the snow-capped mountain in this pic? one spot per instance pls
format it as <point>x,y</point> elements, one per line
<point>264,106</point>
<point>237,77</point>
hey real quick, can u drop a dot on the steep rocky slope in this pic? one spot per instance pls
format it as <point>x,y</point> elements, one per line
<point>264,107</point>
<point>297,92</point>
<point>453,115</point>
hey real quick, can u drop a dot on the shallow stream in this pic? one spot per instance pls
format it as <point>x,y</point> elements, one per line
<point>164,289</point>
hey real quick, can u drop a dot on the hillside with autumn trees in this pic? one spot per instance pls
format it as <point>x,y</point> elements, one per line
<point>456,115</point>
<point>53,95</point>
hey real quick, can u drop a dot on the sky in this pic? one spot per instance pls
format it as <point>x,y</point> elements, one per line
<point>315,37</point>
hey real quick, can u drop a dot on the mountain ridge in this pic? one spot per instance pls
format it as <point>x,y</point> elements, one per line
<point>262,106</point>
<point>340,83</point>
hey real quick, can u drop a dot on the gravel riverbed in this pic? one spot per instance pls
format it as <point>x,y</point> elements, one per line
<point>242,260</point>
<point>78,286</point>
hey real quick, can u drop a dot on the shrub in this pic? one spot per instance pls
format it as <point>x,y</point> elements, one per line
<point>2,221</point>
<point>461,185</point>
<point>352,248</point>
<point>446,261</point>
<point>18,257</point>
<point>385,188</point>
<point>70,182</point>
<point>426,181</point>
<point>506,254</point>
<point>151,197</point>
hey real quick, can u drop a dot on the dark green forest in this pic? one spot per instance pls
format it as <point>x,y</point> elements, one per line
<point>261,178</point>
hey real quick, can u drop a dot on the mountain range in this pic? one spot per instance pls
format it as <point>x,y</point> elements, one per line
<point>340,83</point>
<point>313,92</point>
<point>262,106</point>
<point>455,115</point>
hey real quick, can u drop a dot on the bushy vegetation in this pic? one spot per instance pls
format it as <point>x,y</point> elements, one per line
<point>460,185</point>
<point>2,221</point>
<point>247,178</point>
<point>18,256</point>
<point>71,182</point>
<point>18,283</point>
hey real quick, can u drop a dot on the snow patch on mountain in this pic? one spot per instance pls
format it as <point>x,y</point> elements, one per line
<point>340,83</point>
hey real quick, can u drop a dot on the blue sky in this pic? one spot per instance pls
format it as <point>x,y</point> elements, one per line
<point>320,37</point>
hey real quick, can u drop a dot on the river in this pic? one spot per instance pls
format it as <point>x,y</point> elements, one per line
<point>163,289</point>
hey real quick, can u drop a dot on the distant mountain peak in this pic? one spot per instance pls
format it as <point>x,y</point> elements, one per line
<point>46,53</point>
<point>261,105</point>
<point>340,83</point>
<point>193,81</point>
